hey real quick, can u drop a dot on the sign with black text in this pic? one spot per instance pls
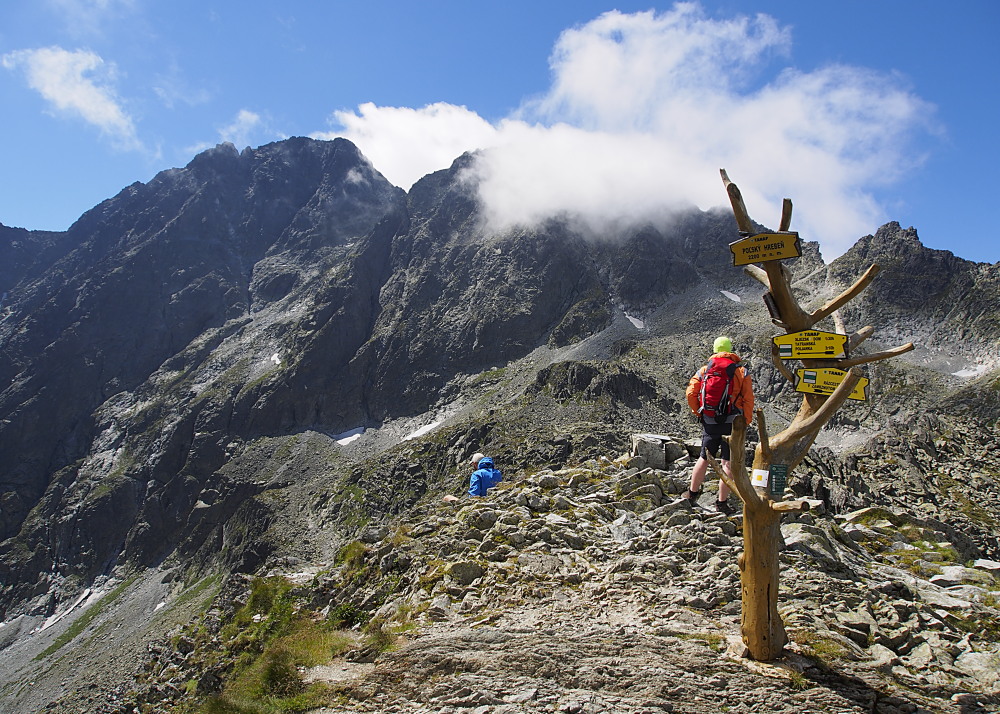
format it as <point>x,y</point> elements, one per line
<point>811,344</point>
<point>825,380</point>
<point>763,247</point>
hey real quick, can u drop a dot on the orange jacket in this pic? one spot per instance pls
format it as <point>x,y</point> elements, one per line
<point>742,388</point>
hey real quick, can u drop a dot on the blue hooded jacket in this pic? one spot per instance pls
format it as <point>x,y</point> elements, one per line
<point>484,478</point>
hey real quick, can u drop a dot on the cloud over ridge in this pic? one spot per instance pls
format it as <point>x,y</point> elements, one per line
<point>645,108</point>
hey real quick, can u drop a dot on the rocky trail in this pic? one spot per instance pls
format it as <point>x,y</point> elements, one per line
<point>596,589</point>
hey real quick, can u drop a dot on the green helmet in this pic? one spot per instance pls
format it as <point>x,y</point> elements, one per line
<point>722,344</point>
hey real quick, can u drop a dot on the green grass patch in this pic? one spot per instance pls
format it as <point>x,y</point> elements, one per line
<point>377,636</point>
<point>207,587</point>
<point>275,643</point>
<point>346,615</point>
<point>984,626</point>
<point>352,555</point>
<point>824,649</point>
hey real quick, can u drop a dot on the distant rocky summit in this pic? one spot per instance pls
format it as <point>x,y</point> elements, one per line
<point>274,361</point>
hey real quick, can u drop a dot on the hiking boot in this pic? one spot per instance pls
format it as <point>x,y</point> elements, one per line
<point>691,496</point>
<point>724,507</point>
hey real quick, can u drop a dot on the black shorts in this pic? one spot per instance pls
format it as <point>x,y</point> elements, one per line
<point>712,441</point>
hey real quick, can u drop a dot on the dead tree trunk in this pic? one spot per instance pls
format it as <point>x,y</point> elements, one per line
<point>762,629</point>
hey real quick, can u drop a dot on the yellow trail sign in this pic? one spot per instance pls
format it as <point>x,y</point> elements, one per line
<point>811,344</point>
<point>763,247</point>
<point>824,380</point>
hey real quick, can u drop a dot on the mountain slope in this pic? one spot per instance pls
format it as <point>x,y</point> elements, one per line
<point>253,358</point>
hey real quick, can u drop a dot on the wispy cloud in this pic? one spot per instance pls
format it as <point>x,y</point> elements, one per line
<point>173,89</point>
<point>87,17</point>
<point>247,128</point>
<point>642,112</point>
<point>245,125</point>
<point>78,83</point>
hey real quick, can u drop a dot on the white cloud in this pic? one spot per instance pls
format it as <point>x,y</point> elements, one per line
<point>405,144</point>
<point>643,111</point>
<point>242,128</point>
<point>78,84</point>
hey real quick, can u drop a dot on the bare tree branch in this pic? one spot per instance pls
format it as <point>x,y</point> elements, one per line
<point>757,274</point>
<point>875,356</point>
<point>839,322</point>
<point>721,473</point>
<point>780,365</point>
<point>736,199</point>
<point>860,336</point>
<point>789,506</point>
<point>786,214</point>
<point>765,444</point>
<point>846,296</point>
<point>738,480</point>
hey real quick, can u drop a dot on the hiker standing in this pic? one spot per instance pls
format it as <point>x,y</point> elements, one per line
<point>718,393</point>
<point>484,477</point>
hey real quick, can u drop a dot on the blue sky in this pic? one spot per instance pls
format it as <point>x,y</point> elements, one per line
<point>860,111</point>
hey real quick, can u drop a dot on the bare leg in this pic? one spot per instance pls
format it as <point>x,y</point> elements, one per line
<point>698,474</point>
<point>723,488</point>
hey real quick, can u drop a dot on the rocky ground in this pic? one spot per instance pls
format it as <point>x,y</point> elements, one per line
<point>594,589</point>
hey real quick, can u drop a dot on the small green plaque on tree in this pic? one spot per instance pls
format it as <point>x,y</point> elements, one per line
<point>777,478</point>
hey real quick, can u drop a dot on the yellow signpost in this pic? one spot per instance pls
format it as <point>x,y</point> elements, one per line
<point>811,344</point>
<point>763,247</point>
<point>824,380</point>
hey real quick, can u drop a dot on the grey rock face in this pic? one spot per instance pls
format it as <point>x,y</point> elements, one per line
<point>179,370</point>
<point>258,294</point>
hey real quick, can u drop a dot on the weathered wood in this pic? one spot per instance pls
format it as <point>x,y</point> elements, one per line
<point>736,200</point>
<point>860,336</point>
<point>780,365</point>
<point>765,442</point>
<point>817,418</point>
<point>720,473</point>
<point>874,356</point>
<point>757,274</point>
<point>761,628</point>
<point>786,215</point>
<point>846,296</point>
<point>801,505</point>
<point>838,320</point>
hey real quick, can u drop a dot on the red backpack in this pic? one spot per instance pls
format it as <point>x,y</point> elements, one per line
<point>715,400</point>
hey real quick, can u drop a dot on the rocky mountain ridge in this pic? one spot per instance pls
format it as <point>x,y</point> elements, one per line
<point>255,356</point>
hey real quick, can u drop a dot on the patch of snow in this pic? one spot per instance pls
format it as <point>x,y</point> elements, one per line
<point>60,615</point>
<point>971,371</point>
<point>159,606</point>
<point>422,430</point>
<point>732,296</point>
<point>276,358</point>
<point>635,321</point>
<point>348,436</point>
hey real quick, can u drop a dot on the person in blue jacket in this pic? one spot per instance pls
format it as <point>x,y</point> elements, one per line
<point>484,477</point>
